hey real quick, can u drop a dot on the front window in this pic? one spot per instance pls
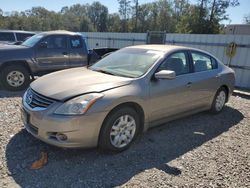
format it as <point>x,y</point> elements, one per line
<point>56,42</point>
<point>176,62</point>
<point>128,62</point>
<point>32,40</point>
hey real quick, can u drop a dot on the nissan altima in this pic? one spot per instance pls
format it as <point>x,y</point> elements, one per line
<point>124,94</point>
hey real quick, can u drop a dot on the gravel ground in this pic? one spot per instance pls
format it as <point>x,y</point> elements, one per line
<point>203,150</point>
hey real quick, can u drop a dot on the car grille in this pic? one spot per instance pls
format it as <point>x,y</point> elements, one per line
<point>35,100</point>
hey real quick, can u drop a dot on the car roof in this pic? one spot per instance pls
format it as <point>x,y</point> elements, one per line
<point>159,47</point>
<point>62,32</point>
<point>165,48</point>
<point>16,31</point>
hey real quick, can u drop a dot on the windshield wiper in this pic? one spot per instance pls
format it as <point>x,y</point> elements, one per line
<point>107,72</point>
<point>103,71</point>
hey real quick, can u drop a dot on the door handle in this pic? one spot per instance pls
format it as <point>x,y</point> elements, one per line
<point>189,84</point>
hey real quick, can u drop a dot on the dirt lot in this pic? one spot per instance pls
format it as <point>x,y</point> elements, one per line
<point>203,150</point>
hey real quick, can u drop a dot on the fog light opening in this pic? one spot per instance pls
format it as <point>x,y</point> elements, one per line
<point>61,137</point>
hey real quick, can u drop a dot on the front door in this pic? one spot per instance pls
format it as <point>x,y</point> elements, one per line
<point>171,97</point>
<point>52,53</point>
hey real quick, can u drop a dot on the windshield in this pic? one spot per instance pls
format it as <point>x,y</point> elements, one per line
<point>128,62</point>
<point>32,40</point>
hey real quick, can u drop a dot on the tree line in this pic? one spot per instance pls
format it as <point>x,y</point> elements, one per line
<point>172,16</point>
<point>247,19</point>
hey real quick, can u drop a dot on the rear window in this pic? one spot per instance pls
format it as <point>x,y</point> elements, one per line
<point>203,62</point>
<point>7,36</point>
<point>23,36</point>
<point>76,42</point>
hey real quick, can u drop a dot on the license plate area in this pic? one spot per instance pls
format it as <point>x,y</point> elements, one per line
<point>26,121</point>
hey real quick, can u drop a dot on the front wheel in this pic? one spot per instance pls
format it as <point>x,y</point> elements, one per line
<point>219,100</point>
<point>119,130</point>
<point>15,78</point>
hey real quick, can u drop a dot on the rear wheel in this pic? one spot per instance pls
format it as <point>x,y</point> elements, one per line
<point>119,130</point>
<point>15,78</point>
<point>219,100</point>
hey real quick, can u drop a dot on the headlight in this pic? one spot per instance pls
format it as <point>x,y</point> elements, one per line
<point>78,105</point>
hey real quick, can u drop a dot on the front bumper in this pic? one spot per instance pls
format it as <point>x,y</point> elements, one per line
<point>81,131</point>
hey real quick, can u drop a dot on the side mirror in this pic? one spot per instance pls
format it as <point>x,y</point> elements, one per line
<point>165,74</point>
<point>43,45</point>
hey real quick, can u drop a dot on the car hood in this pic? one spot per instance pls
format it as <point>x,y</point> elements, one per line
<point>69,83</point>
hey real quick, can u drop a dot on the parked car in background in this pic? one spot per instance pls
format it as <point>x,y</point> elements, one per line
<point>14,36</point>
<point>124,94</point>
<point>42,53</point>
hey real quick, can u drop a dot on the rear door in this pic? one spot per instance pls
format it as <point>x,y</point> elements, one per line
<point>78,52</point>
<point>171,97</point>
<point>205,78</point>
<point>52,52</point>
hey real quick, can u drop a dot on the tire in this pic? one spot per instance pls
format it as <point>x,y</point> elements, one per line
<point>15,78</point>
<point>219,101</point>
<point>113,129</point>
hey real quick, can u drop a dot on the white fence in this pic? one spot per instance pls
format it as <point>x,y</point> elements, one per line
<point>115,40</point>
<point>215,44</point>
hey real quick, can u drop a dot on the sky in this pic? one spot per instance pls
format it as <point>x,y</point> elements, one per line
<point>236,14</point>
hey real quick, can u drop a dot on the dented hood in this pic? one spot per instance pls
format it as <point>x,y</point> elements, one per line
<point>66,84</point>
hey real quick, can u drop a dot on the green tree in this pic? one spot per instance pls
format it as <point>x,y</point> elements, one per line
<point>73,17</point>
<point>247,19</point>
<point>86,25</point>
<point>218,13</point>
<point>165,16</point>
<point>125,11</point>
<point>135,15</point>
<point>144,17</point>
<point>1,18</point>
<point>160,15</point>
<point>114,23</point>
<point>98,15</point>
<point>205,17</point>
<point>188,22</point>
<point>180,8</point>
<point>218,9</point>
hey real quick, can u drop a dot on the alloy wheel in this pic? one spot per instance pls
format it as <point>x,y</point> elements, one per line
<point>123,131</point>
<point>220,100</point>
